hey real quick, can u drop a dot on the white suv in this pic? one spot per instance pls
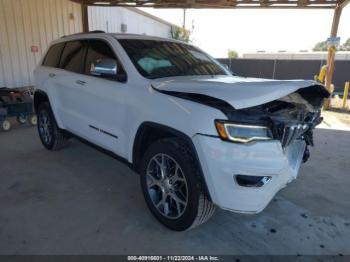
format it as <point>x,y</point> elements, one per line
<point>199,136</point>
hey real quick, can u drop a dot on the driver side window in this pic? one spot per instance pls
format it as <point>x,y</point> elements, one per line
<point>97,51</point>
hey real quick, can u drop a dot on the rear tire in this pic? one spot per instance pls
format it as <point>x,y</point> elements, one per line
<point>163,186</point>
<point>52,137</point>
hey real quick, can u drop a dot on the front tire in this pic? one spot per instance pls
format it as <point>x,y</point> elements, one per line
<point>52,137</point>
<point>172,187</point>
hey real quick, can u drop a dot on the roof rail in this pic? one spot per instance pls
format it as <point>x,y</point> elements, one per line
<point>90,32</point>
<point>97,31</point>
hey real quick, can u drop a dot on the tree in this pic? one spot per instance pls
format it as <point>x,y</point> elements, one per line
<point>346,45</point>
<point>232,54</point>
<point>321,46</point>
<point>180,33</point>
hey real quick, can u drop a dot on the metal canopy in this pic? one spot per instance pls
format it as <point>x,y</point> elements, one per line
<point>243,4</point>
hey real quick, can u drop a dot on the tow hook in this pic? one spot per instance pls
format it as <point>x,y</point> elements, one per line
<point>306,155</point>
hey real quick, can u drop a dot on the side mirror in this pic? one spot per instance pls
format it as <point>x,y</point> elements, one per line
<point>104,67</point>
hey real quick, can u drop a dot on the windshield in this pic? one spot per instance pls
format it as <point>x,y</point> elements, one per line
<point>158,59</point>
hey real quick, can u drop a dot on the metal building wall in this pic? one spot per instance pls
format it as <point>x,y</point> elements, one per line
<point>27,23</point>
<point>340,55</point>
<point>110,19</point>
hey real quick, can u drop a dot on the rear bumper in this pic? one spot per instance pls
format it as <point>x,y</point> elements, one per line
<point>221,161</point>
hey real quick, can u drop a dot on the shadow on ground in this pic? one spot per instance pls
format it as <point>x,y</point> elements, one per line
<point>80,201</point>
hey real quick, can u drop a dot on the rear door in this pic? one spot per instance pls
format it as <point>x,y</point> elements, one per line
<point>65,88</point>
<point>100,100</point>
<point>45,75</point>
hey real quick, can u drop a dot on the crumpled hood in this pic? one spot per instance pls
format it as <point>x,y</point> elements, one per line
<point>239,92</point>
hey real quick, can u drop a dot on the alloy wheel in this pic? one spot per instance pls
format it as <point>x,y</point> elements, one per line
<point>45,127</point>
<point>167,186</point>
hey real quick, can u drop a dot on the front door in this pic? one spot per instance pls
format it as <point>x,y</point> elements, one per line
<point>101,100</point>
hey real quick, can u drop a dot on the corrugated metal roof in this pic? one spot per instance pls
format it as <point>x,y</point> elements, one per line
<point>136,10</point>
<point>301,4</point>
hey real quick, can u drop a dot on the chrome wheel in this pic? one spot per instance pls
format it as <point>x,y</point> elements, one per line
<point>45,127</point>
<point>167,186</point>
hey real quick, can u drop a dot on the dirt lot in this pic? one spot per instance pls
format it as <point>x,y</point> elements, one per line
<point>81,201</point>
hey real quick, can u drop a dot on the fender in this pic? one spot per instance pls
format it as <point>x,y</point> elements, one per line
<point>42,96</point>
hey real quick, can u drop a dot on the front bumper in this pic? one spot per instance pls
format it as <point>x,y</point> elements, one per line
<point>221,161</point>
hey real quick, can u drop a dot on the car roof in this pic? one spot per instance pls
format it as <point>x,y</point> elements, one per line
<point>141,37</point>
<point>118,36</point>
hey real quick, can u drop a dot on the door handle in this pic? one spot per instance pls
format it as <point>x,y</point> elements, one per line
<point>52,75</point>
<point>80,82</point>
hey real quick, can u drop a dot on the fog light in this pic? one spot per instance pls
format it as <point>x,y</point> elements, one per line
<point>252,181</point>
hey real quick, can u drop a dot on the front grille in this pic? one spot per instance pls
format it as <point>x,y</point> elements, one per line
<point>293,132</point>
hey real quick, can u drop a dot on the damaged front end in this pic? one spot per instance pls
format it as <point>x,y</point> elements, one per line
<point>257,110</point>
<point>287,119</point>
<point>266,129</point>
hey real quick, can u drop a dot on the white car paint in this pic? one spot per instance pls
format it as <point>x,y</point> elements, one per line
<point>221,160</point>
<point>238,91</point>
<point>121,108</point>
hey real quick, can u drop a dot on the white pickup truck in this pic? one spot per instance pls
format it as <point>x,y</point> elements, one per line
<point>199,136</point>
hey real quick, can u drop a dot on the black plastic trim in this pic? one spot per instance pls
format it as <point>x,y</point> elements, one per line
<point>41,93</point>
<point>103,131</point>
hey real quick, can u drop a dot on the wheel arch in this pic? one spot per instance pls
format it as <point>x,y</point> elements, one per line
<point>40,97</point>
<point>149,132</point>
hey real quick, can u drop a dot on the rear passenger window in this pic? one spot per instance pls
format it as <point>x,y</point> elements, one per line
<point>72,57</point>
<point>53,56</point>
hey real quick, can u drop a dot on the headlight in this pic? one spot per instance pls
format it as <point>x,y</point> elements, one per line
<point>242,133</point>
